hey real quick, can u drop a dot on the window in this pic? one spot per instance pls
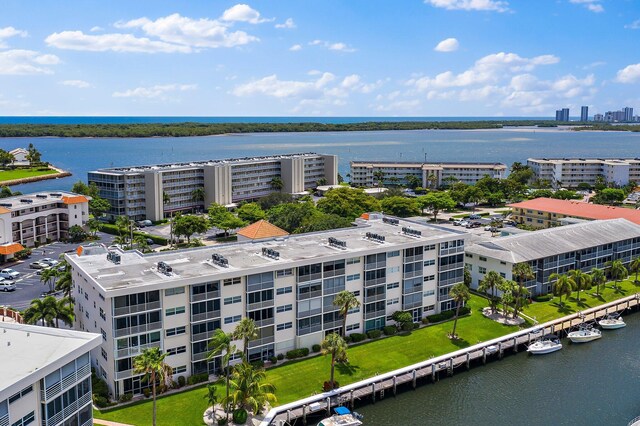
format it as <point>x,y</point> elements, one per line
<point>353,277</point>
<point>429,308</point>
<point>468,266</point>
<point>178,350</point>
<point>284,308</point>
<point>482,258</point>
<point>393,269</point>
<point>356,292</point>
<point>180,369</point>
<point>284,326</point>
<point>27,420</point>
<point>429,293</point>
<point>353,260</point>
<point>429,262</point>
<point>284,273</point>
<point>482,270</point>
<point>104,354</point>
<point>393,301</point>
<point>393,253</point>
<point>392,286</point>
<point>429,278</point>
<point>351,327</point>
<point>174,311</point>
<point>503,263</point>
<point>259,296</point>
<point>174,291</point>
<point>230,320</point>
<point>16,396</point>
<point>104,334</point>
<point>232,281</point>
<point>232,300</point>
<point>175,331</point>
<point>284,290</point>
<point>469,255</point>
<point>503,275</point>
<point>430,247</point>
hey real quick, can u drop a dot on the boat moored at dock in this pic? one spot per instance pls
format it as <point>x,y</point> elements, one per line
<point>584,334</point>
<point>342,417</point>
<point>612,322</point>
<point>545,345</point>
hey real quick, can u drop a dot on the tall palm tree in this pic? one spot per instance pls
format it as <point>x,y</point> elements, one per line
<point>198,196</point>
<point>335,345</point>
<point>490,283</point>
<point>126,225</point>
<point>379,176</point>
<point>634,266</point>
<point>221,343</point>
<point>522,272</point>
<point>563,285</point>
<point>64,312</point>
<point>508,288</point>
<point>64,283</point>
<point>460,294</point>
<point>212,399</point>
<point>598,278</point>
<point>246,330</point>
<point>151,363</point>
<point>44,310</point>
<point>249,391</point>
<point>617,271</point>
<point>141,243</point>
<point>582,280</point>
<point>48,277</point>
<point>347,301</point>
<point>277,183</point>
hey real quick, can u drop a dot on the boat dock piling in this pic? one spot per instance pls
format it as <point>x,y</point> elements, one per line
<point>375,387</point>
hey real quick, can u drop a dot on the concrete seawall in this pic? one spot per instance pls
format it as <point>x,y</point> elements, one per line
<point>61,173</point>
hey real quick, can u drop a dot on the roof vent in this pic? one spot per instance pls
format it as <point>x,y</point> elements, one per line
<point>334,242</point>
<point>411,232</point>
<point>220,260</point>
<point>164,268</point>
<point>390,221</point>
<point>375,237</point>
<point>26,200</point>
<point>113,257</point>
<point>270,253</point>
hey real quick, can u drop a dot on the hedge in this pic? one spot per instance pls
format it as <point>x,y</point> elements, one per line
<point>357,337</point>
<point>447,315</point>
<point>316,348</point>
<point>197,378</point>
<point>109,228</point>
<point>297,353</point>
<point>543,298</point>
<point>374,334</point>
<point>389,330</point>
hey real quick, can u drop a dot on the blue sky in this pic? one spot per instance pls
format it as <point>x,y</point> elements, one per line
<point>318,57</point>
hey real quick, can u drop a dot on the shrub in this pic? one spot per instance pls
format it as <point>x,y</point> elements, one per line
<point>126,397</point>
<point>315,348</point>
<point>425,321</point>
<point>240,416</point>
<point>447,315</point>
<point>99,387</point>
<point>221,421</point>
<point>407,326</point>
<point>182,381</point>
<point>100,401</point>
<point>348,339</point>
<point>374,334</point>
<point>297,353</point>
<point>280,357</point>
<point>174,385</point>
<point>326,386</point>
<point>416,325</point>
<point>162,388</point>
<point>197,378</point>
<point>146,392</point>
<point>357,337</point>
<point>389,330</point>
<point>544,298</point>
<point>273,360</point>
<point>258,363</point>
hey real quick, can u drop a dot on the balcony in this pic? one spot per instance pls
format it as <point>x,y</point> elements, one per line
<point>65,383</point>
<point>259,342</point>
<point>412,305</point>
<point>138,329</point>
<point>124,374</point>
<point>305,314</point>
<point>310,295</point>
<point>201,336</point>
<point>205,316</point>
<point>68,410</point>
<point>205,296</point>
<point>126,310</point>
<point>4,420</point>
<point>411,259</point>
<point>452,250</point>
<point>412,274</point>
<point>451,266</point>
<point>375,265</point>
<point>451,281</point>
<point>135,350</point>
<point>374,298</point>
<point>375,314</point>
<point>309,330</point>
<point>199,357</point>
<point>264,322</point>
<point>334,273</point>
<point>328,325</point>
<point>375,281</point>
<point>259,305</point>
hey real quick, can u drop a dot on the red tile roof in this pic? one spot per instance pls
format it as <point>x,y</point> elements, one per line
<point>74,199</point>
<point>579,209</point>
<point>262,229</point>
<point>10,248</point>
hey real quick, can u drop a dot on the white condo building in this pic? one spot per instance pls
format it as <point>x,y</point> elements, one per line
<point>364,173</point>
<point>175,300</point>
<point>45,376</point>
<point>154,192</point>
<point>570,172</point>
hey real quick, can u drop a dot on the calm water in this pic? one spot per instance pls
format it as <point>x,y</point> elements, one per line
<point>595,383</point>
<point>80,155</point>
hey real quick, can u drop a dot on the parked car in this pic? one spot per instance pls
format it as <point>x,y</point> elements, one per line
<point>49,261</point>
<point>475,216</point>
<point>39,264</point>
<point>9,274</point>
<point>491,228</point>
<point>143,223</point>
<point>457,222</point>
<point>7,285</point>
<point>473,225</point>
<point>464,223</point>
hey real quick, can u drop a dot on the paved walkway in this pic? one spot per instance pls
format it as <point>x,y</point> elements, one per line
<point>107,423</point>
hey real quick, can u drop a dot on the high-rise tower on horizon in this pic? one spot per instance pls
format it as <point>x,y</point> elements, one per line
<point>562,114</point>
<point>584,113</point>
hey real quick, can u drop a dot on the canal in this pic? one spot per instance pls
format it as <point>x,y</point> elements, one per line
<point>596,383</point>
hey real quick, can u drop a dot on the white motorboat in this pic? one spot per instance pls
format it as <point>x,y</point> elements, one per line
<point>342,417</point>
<point>584,334</point>
<point>545,345</point>
<point>612,322</point>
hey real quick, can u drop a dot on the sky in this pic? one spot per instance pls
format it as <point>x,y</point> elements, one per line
<point>424,58</point>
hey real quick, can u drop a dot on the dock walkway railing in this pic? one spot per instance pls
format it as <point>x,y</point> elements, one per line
<point>507,341</point>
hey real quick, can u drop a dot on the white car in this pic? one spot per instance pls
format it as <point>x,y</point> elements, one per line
<point>49,261</point>
<point>9,274</point>
<point>6,285</point>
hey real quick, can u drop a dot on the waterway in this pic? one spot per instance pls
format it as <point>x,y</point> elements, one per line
<point>81,155</point>
<point>595,383</point>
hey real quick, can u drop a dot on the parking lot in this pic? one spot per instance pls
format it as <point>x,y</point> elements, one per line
<point>28,284</point>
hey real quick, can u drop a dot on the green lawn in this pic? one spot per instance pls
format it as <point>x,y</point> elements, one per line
<point>6,175</point>
<point>548,311</point>
<point>295,380</point>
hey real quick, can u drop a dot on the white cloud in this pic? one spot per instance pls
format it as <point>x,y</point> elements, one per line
<point>80,84</point>
<point>22,62</point>
<point>8,32</point>
<point>629,74</point>
<point>153,92</point>
<point>77,40</point>
<point>447,45</point>
<point>288,24</point>
<point>338,46</point>
<point>243,13</point>
<point>635,25</point>
<point>594,65</point>
<point>295,48</point>
<point>489,5</point>
<point>272,86</point>
<point>592,5</point>
<point>96,29</point>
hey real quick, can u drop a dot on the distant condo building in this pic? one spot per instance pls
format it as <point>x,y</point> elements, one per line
<point>46,376</point>
<point>570,172</point>
<point>176,300</point>
<point>584,114</point>
<point>365,173</point>
<point>154,192</point>
<point>562,115</point>
<point>598,117</point>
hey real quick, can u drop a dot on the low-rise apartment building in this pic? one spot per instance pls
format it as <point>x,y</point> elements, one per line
<point>571,172</point>
<point>365,173</point>
<point>582,246</point>
<point>41,217</point>
<point>45,376</point>
<point>156,191</point>
<point>175,300</point>
<point>548,212</point>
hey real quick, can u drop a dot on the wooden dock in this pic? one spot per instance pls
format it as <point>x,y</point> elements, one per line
<point>383,385</point>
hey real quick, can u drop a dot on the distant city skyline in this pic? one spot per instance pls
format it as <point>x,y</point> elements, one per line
<point>318,58</point>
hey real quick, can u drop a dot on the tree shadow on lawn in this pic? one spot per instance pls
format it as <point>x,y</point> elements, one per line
<point>581,303</point>
<point>563,308</point>
<point>460,342</point>
<point>347,369</point>
<point>620,290</point>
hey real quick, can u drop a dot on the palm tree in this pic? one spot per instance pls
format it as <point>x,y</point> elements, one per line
<point>490,283</point>
<point>634,266</point>
<point>44,310</point>
<point>336,346</point>
<point>94,226</point>
<point>347,301</point>
<point>151,363</point>
<point>460,294</point>
<point>520,297</point>
<point>64,312</point>
<point>198,196</point>
<point>563,285</point>
<point>246,330</point>
<point>432,180</point>
<point>222,342</point>
<point>212,399</point>
<point>379,176</point>
<point>522,272</point>
<point>277,183</point>
<point>141,243</point>
<point>582,280</point>
<point>598,278</point>
<point>48,277</point>
<point>249,391</point>
<point>508,288</point>
<point>126,225</point>
<point>617,271</point>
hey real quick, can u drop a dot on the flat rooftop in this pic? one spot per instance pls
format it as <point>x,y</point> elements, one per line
<point>584,160</point>
<point>411,164</point>
<point>192,164</point>
<point>29,348</point>
<point>39,199</point>
<point>579,209</point>
<point>137,270</point>
<point>553,241</point>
